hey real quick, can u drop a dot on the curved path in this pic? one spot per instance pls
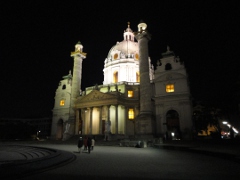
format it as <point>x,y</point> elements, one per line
<point>17,161</point>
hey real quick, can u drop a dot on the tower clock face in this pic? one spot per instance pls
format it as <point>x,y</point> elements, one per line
<point>136,56</point>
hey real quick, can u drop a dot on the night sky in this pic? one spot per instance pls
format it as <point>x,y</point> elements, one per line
<point>38,36</point>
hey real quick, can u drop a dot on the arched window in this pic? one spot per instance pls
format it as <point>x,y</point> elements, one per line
<point>136,56</point>
<point>64,86</point>
<point>172,114</point>
<point>115,77</point>
<point>115,56</point>
<point>137,77</point>
<point>168,66</point>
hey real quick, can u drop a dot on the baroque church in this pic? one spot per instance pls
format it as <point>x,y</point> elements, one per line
<point>136,99</point>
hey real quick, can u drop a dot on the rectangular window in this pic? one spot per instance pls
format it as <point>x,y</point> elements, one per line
<point>130,93</point>
<point>169,88</point>
<point>130,113</point>
<point>62,102</point>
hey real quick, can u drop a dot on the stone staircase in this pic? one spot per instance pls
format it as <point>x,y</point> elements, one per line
<point>23,154</point>
<point>122,142</point>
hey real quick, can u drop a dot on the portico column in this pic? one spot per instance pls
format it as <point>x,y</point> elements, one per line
<point>108,125</point>
<point>108,113</point>
<point>83,121</point>
<point>100,120</point>
<point>116,118</point>
<point>90,125</point>
<point>80,127</point>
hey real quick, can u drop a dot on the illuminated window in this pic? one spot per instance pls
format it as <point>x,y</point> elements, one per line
<point>115,56</point>
<point>169,88</point>
<point>115,77</point>
<point>130,93</point>
<point>137,77</point>
<point>62,102</point>
<point>130,114</point>
<point>136,56</point>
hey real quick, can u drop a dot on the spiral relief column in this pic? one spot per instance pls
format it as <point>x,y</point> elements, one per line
<point>145,120</point>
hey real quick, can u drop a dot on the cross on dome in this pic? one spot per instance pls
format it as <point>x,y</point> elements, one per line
<point>128,28</point>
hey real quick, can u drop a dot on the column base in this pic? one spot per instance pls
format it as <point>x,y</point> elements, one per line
<point>145,125</point>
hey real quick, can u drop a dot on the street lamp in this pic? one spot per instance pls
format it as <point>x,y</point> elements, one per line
<point>38,133</point>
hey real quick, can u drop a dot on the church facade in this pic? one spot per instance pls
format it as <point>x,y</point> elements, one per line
<point>135,99</point>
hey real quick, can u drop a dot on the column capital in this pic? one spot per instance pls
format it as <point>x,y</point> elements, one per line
<point>142,35</point>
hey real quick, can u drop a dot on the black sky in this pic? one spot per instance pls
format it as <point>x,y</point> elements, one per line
<point>38,36</point>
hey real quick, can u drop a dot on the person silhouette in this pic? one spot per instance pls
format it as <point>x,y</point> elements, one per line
<point>89,144</point>
<point>93,143</point>
<point>80,144</point>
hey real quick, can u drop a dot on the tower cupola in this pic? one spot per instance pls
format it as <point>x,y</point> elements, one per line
<point>128,34</point>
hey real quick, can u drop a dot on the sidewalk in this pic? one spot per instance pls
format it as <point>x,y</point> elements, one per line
<point>223,148</point>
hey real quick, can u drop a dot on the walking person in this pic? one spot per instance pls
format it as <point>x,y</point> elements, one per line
<point>85,143</point>
<point>93,143</point>
<point>80,144</point>
<point>89,144</point>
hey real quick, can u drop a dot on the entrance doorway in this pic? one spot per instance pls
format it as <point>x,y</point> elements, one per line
<point>173,125</point>
<point>59,134</point>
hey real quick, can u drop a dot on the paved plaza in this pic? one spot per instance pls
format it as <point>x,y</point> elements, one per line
<point>22,160</point>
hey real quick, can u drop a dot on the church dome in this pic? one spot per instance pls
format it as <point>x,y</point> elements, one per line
<point>122,62</point>
<point>124,48</point>
<point>128,48</point>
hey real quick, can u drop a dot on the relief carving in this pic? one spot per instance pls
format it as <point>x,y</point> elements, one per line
<point>96,96</point>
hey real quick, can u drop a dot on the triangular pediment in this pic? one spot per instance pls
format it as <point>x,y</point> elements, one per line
<point>96,95</point>
<point>95,98</point>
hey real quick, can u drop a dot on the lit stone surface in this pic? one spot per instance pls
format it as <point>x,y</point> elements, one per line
<point>144,121</point>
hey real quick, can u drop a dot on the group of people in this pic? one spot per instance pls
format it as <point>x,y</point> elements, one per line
<point>88,144</point>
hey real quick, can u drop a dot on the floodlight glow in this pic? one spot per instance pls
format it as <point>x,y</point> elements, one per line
<point>224,122</point>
